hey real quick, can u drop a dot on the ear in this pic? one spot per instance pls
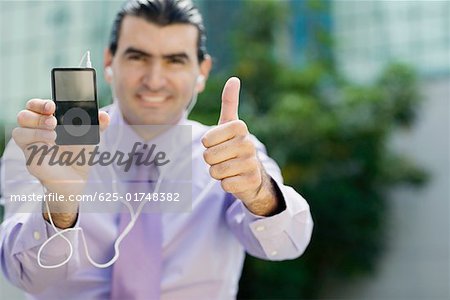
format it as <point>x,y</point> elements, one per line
<point>107,65</point>
<point>205,68</point>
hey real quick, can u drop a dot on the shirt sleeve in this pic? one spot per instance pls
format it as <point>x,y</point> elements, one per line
<point>279,237</point>
<point>24,231</point>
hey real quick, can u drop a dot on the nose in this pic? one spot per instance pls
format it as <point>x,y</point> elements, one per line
<point>155,77</point>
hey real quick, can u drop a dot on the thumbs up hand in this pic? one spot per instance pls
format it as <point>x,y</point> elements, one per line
<point>233,160</point>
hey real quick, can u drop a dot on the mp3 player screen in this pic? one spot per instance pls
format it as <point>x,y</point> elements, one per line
<point>74,86</point>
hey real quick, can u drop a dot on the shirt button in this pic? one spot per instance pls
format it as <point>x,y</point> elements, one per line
<point>260,228</point>
<point>273,253</point>
<point>37,235</point>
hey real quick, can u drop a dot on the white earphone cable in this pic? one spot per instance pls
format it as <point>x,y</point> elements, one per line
<point>134,215</point>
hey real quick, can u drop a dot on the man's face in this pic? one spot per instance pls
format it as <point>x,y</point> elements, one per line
<point>155,71</point>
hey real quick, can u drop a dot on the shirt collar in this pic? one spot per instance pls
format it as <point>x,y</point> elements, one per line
<point>120,136</point>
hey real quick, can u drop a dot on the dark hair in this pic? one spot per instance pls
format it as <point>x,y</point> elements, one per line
<point>161,12</point>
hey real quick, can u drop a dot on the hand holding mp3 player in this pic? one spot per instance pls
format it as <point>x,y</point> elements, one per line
<point>74,91</point>
<point>37,124</point>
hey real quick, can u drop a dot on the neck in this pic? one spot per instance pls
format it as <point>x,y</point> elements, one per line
<point>151,131</point>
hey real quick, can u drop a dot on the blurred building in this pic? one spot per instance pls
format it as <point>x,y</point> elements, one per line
<point>39,35</point>
<point>368,35</point>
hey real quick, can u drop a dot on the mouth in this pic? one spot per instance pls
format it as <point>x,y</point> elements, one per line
<point>152,100</point>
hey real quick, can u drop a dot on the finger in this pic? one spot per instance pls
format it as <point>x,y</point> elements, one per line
<point>40,106</point>
<point>241,183</point>
<point>238,147</point>
<point>27,136</point>
<point>221,152</point>
<point>103,119</point>
<point>232,167</point>
<point>230,100</point>
<point>31,119</point>
<point>224,132</point>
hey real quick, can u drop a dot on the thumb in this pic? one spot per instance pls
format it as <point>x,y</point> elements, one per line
<point>230,100</point>
<point>103,119</point>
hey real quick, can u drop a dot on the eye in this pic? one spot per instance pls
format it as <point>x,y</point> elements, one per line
<point>136,57</point>
<point>177,60</point>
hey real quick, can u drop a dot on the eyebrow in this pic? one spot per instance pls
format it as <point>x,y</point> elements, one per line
<point>180,55</point>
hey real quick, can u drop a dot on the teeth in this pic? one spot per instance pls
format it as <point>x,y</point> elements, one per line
<point>153,99</point>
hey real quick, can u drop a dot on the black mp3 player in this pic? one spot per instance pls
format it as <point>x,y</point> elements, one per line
<point>74,91</point>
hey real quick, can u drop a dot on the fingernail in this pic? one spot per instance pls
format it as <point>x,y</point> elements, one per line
<point>48,107</point>
<point>50,122</point>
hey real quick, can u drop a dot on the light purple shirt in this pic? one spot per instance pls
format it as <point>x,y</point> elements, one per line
<point>203,250</point>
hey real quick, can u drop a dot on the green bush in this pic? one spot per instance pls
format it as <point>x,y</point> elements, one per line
<point>330,138</point>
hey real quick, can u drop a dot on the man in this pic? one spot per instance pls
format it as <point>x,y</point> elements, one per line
<point>156,64</point>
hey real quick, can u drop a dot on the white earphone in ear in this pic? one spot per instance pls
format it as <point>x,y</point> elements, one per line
<point>200,78</point>
<point>109,71</point>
